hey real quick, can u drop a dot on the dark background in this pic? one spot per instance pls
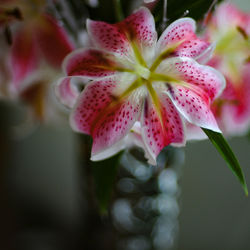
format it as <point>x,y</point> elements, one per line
<point>42,205</point>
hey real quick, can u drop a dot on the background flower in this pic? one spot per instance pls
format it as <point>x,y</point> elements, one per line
<point>33,59</point>
<point>229,28</point>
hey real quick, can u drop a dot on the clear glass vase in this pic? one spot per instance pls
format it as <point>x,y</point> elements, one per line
<point>143,210</point>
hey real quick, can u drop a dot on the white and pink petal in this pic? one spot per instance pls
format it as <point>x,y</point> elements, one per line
<point>177,32</point>
<point>160,131</point>
<point>109,37</point>
<point>194,106</point>
<point>206,55</point>
<point>101,114</point>
<point>194,133</point>
<point>115,123</point>
<point>197,76</point>
<point>67,89</point>
<point>96,96</point>
<point>140,28</point>
<point>122,144</point>
<point>180,36</point>
<point>136,139</point>
<point>132,139</point>
<point>195,48</point>
<point>91,63</point>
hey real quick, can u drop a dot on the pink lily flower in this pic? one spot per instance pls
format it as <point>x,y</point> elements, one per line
<point>135,78</point>
<point>36,38</point>
<point>34,58</point>
<point>229,28</point>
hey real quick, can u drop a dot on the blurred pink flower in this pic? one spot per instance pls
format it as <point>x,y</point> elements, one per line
<point>36,37</point>
<point>135,78</point>
<point>38,48</point>
<point>230,29</point>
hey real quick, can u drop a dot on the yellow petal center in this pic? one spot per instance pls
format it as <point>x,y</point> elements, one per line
<point>142,71</point>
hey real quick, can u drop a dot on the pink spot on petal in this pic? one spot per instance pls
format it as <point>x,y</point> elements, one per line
<point>90,62</point>
<point>180,30</point>
<point>157,135</point>
<point>195,107</point>
<point>109,37</point>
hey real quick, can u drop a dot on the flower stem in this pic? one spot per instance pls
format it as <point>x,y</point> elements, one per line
<point>164,16</point>
<point>118,10</point>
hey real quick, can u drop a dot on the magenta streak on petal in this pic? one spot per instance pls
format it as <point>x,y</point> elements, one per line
<point>24,56</point>
<point>194,106</point>
<point>91,103</point>
<point>115,124</point>
<point>156,135</point>
<point>116,38</point>
<point>141,27</point>
<point>109,37</point>
<point>90,62</point>
<point>53,40</point>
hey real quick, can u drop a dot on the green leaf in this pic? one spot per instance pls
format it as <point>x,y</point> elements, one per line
<point>104,173</point>
<point>176,9</point>
<point>107,10</point>
<point>226,152</point>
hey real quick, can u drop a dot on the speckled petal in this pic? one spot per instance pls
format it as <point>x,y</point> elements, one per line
<point>194,106</point>
<point>109,37</point>
<point>114,124</point>
<point>206,54</point>
<point>177,32</point>
<point>91,63</point>
<point>158,132</point>
<point>117,38</point>
<point>133,138</point>
<point>96,96</point>
<point>140,27</point>
<point>181,36</point>
<point>67,89</point>
<point>196,48</point>
<point>205,78</point>
<point>110,151</point>
<point>102,115</point>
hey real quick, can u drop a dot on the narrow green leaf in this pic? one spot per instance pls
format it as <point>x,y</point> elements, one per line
<point>177,8</point>
<point>118,10</point>
<point>104,173</point>
<point>226,152</point>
